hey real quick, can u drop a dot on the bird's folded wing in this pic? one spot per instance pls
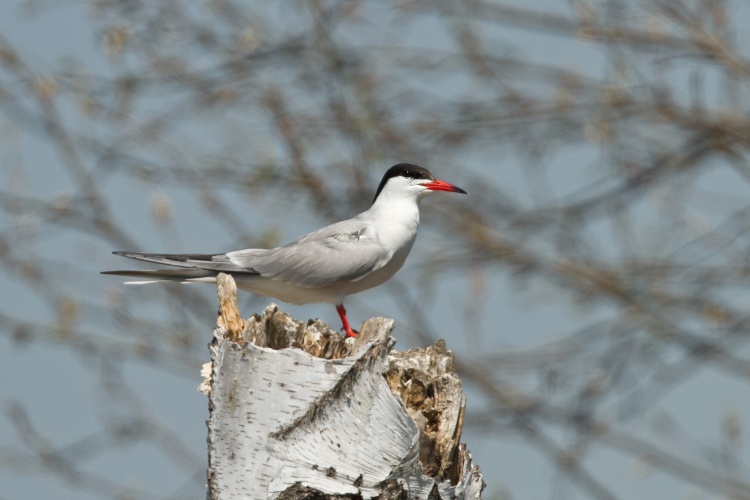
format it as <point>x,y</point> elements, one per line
<point>210,262</point>
<point>327,257</point>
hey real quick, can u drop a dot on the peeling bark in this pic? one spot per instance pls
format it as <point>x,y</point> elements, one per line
<point>300,412</point>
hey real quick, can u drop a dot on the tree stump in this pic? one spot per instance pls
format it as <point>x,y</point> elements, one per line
<point>299,412</point>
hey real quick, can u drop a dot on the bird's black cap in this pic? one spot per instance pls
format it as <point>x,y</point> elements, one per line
<point>404,170</point>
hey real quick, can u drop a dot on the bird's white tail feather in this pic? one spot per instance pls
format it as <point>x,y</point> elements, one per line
<point>183,282</point>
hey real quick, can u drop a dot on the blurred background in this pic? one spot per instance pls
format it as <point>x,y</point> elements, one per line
<point>593,285</point>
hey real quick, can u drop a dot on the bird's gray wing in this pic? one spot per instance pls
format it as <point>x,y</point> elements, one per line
<point>345,251</point>
<point>211,262</point>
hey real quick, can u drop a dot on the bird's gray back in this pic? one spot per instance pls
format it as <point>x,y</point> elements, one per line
<point>346,251</point>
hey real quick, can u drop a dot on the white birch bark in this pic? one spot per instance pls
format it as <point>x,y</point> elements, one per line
<point>297,411</point>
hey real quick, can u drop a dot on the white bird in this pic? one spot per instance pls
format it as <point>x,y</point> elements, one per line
<point>323,266</point>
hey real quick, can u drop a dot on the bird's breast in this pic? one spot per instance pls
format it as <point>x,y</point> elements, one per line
<point>399,244</point>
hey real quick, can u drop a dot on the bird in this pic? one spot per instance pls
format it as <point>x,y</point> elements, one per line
<point>326,265</point>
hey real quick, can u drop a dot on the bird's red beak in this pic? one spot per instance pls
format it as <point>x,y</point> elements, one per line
<point>438,185</point>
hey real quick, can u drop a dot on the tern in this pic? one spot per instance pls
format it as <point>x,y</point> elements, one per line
<point>323,266</point>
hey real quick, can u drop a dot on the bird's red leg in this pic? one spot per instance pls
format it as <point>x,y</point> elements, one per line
<point>348,329</point>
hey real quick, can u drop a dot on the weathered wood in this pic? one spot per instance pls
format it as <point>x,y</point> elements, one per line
<point>298,411</point>
<point>427,382</point>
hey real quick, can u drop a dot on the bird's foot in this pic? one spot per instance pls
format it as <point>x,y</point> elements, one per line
<point>350,332</point>
<point>346,328</point>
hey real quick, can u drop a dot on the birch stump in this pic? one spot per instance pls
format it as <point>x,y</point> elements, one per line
<point>299,412</point>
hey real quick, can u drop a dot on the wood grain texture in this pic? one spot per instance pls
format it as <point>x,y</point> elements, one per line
<point>297,411</point>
